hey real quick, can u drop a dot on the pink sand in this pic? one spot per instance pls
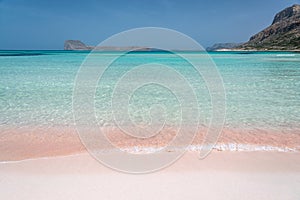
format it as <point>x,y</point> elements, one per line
<point>222,175</point>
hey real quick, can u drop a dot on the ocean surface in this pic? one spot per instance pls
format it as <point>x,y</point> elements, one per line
<point>262,89</point>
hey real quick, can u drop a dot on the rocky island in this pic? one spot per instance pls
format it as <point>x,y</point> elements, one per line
<point>78,45</point>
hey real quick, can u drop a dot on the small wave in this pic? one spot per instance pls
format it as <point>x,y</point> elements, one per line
<point>218,147</point>
<point>286,55</point>
<point>248,147</point>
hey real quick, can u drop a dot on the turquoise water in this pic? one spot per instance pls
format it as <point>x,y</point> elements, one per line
<point>262,89</point>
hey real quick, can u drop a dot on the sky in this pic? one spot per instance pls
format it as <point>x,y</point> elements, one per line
<point>43,24</point>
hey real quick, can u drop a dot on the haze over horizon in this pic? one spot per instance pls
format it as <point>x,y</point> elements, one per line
<point>34,24</point>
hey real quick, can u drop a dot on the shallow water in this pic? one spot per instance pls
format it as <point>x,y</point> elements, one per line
<point>262,89</point>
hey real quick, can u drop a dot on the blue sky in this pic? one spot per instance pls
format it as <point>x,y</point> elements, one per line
<point>38,24</point>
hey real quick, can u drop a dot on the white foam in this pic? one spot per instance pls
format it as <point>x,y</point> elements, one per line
<point>285,55</point>
<point>218,147</point>
<point>247,147</point>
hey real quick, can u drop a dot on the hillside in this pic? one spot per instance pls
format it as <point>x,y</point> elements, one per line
<point>282,34</point>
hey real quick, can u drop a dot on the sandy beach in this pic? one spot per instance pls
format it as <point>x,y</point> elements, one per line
<point>222,175</point>
<point>51,163</point>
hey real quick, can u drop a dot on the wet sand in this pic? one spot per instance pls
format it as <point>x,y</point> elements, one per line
<point>222,175</point>
<point>35,142</point>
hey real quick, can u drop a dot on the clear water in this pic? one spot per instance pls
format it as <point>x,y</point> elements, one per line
<point>262,89</point>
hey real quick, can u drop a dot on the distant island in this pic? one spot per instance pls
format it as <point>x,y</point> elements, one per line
<point>78,45</point>
<point>223,46</point>
<point>282,34</point>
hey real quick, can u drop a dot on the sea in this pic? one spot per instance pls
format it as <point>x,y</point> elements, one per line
<point>262,94</point>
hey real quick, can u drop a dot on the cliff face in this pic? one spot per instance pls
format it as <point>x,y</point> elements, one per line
<point>287,13</point>
<point>283,34</point>
<point>75,45</point>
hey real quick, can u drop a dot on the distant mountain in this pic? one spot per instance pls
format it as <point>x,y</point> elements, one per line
<point>223,46</point>
<point>282,34</point>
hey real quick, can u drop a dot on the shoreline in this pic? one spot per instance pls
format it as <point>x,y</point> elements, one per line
<point>39,142</point>
<point>85,153</point>
<point>259,160</point>
<point>255,50</point>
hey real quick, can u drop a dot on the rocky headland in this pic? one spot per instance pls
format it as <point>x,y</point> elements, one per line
<point>282,35</point>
